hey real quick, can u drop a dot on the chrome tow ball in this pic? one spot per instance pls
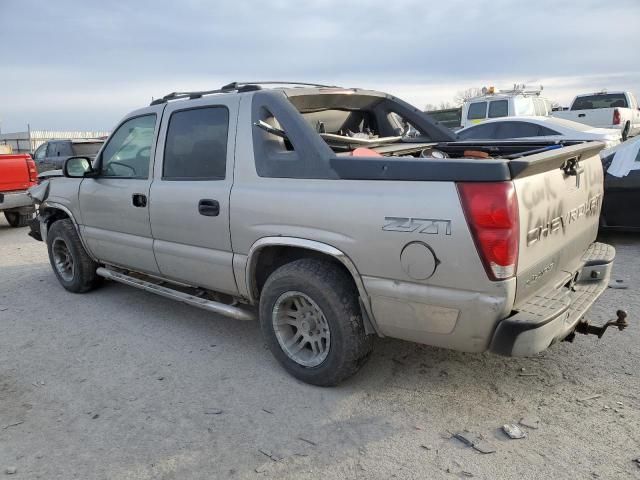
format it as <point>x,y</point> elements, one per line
<point>586,328</point>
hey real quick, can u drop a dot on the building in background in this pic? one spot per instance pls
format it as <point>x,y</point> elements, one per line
<point>27,142</point>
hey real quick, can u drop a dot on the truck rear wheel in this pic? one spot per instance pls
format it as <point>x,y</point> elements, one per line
<point>311,320</point>
<point>76,271</point>
<point>625,132</point>
<point>17,219</point>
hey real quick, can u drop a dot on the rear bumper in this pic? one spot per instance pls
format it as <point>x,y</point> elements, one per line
<point>550,316</point>
<point>15,200</point>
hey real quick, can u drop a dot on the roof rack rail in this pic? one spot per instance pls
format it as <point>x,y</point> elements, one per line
<point>232,87</point>
<point>236,85</point>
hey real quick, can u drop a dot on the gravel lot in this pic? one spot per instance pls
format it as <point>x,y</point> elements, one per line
<point>122,384</point>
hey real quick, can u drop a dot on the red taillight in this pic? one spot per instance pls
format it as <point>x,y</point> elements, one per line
<point>616,117</point>
<point>33,171</point>
<point>491,210</point>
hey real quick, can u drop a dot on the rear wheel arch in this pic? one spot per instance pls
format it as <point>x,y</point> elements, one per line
<point>270,253</point>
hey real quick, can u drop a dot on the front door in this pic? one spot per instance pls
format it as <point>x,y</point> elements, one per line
<point>190,193</point>
<point>115,204</point>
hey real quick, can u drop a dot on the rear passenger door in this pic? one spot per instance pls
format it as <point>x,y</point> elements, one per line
<point>189,204</point>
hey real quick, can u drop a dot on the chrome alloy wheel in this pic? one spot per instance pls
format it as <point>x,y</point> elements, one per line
<point>62,259</point>
<point>301,329</point>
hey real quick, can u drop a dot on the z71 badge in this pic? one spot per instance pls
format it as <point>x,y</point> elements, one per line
<point>433,226</point>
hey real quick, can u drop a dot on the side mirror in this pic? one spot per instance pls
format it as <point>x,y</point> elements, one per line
<point>76,167</point>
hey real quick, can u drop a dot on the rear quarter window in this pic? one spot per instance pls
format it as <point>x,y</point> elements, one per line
<point>484,131</point>
<point>517,130</point>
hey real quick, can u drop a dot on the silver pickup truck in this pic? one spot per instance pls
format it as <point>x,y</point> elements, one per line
<point>334,215</point>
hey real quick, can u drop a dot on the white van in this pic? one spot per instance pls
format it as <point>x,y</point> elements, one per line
<point>505,103</point>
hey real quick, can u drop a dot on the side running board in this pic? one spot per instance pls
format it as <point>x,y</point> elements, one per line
<point>232,311</point>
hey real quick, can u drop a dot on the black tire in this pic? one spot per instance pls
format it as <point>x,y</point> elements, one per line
<point>18,220</point>
<point>625,132</point>
<point>82,274</point>
<point>333,292</point>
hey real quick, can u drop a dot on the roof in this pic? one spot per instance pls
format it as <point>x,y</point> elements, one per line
<point>242,87</point>
<point>77,140</point>
<point>603,92</point>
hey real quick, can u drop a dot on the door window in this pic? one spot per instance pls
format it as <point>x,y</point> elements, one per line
<point>196,146</point>
<point>64,149</point>
<point>128,152</point>
<point>39,154</point>
<point>477,111</point>
<point>499,108</point>
<point>51,149</point>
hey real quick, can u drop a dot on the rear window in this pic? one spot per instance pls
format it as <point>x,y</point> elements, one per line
<point>477,111</point>
<point>605,100</point>
<point>498,108</point>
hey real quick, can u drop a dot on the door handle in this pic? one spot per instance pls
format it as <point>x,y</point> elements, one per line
<point>209,207</point>
<point>582,115</point>
<point>139,200</point>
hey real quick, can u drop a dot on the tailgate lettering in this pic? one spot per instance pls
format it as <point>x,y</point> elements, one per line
<point>561,222</point>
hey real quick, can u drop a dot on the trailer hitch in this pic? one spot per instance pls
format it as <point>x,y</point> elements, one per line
<point>586,328</point>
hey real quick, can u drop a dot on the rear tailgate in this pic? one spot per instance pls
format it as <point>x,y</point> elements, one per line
<point>559,198</point>
<point>14,173</point>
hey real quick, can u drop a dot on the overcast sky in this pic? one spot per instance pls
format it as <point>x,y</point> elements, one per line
<point>82,64</point>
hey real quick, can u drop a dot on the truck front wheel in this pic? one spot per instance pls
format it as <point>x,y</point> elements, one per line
<point>76,271</point>
<point>311,320</point>
<point>17,219</point>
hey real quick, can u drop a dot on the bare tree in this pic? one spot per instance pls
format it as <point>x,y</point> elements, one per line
<point>464,95</point>
<point>429,107</point>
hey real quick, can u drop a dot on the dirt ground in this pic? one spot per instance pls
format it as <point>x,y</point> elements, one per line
<point>122,384</point>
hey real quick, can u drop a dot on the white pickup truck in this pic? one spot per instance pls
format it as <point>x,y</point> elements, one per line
<point>617,110</point>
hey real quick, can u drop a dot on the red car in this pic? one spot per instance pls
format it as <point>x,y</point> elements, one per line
<point>17,173</point>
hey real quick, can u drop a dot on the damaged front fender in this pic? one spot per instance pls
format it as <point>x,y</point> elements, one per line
<point>39,193</point>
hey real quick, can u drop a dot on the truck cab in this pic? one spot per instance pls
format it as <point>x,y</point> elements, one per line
<point>504,103</point>
<point>618,110</point>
